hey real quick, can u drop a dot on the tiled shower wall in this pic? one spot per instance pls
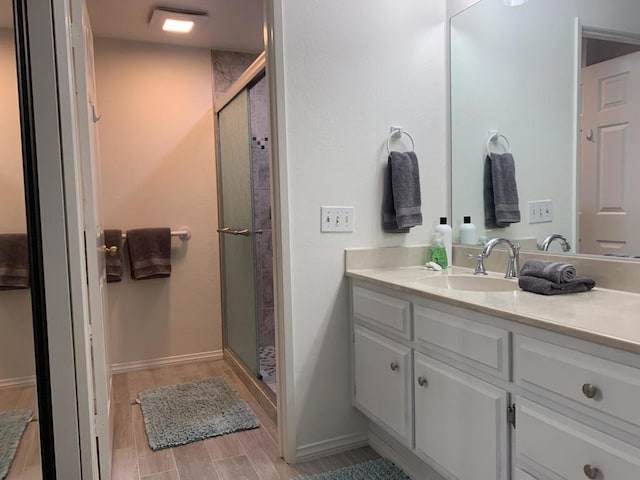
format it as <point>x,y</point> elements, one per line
<point>227,68</point>
<point>262,211</point>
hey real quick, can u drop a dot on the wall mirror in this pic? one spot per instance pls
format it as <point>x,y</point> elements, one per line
<point>561,82</point>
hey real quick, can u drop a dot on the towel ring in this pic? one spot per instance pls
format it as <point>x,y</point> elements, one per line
<point>397,132</point>
<point>495,137</point>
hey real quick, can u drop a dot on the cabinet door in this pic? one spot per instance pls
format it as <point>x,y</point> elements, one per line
<point>460,421</point>
<point>383,382</point>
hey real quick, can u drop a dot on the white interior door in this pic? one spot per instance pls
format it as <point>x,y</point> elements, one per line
<point>96,272</point>
<point>610,165</point>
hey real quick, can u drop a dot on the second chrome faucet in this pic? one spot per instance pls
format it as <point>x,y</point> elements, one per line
<point>513,266</point>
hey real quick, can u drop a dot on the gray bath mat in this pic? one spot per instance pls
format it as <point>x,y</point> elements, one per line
<point>381,469</point>
<point>182,414</point>
<point>12,425</point>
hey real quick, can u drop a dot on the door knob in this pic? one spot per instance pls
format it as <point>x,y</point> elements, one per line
<point>590,135</point>
<point>111,251</point>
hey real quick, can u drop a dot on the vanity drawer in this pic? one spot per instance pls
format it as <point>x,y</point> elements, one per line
<point>607,386</point>
<point>388,313</point>
<point>471,342</point>
<point>566,447</point>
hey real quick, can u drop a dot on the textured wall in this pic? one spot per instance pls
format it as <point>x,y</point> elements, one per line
<point>16,333</point>
<point>158,169</point>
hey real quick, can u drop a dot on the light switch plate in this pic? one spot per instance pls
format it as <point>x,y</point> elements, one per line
<point>336,219</point>
<point>540,211</point>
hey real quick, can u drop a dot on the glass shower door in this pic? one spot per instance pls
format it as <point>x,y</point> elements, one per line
<point>237,231</point>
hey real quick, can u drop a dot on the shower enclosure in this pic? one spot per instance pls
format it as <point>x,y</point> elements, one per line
<point>245,229</point>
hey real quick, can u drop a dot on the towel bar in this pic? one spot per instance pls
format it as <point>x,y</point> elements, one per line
<point>396,132</point>
<point>184,233</point>
<point>494,137</point>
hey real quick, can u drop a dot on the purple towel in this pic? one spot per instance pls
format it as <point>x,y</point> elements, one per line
<point>149,252</point>
<point>14,261</point>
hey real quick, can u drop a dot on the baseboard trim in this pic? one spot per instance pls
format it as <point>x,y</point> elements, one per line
<point>160,362</point>
<point>389,447</point>
<point>332,446</point>
<point>18,382</point>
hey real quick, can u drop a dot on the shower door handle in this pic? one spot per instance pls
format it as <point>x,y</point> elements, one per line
<point>245,232</point>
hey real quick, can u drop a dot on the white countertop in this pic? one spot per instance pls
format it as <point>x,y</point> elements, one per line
<point>607,317</point>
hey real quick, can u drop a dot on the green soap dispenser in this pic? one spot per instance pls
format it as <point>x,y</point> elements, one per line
<point>438,252</point>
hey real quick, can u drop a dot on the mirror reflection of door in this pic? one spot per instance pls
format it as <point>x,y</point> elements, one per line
<point>610,134</point>
<point>19,432</point>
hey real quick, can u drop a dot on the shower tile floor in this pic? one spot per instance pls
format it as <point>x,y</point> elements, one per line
<point>268,366</point>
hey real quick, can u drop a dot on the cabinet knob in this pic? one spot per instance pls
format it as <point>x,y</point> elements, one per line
<point>422,381</point>
<point>590,471</point>
<point>589,390</point>
<point>394,367</point>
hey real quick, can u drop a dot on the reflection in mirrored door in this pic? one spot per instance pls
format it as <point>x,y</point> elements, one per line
<point>19,432</point>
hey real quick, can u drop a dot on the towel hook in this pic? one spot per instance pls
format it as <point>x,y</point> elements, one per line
<point>494,137</point>
<point>396,132</point>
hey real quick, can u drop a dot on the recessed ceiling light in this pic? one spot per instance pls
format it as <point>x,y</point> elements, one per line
<point>178,26</point>
<point>176,21</point>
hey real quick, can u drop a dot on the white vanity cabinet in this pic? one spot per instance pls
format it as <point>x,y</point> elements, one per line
<point>476,397</point>
<point>382,382</point>
<point>460,421</point>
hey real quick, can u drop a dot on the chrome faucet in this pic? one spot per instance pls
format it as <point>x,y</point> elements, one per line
<point>514,252</point>
<point>564,243</point>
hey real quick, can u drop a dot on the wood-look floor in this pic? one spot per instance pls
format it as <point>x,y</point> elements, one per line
<point>248,455</point>
<point>26,463</point>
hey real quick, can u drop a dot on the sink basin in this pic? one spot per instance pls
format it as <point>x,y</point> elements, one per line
<point>471,283</point>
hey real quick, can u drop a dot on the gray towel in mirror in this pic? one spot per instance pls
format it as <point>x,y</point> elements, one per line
<point>501,203</point>
<point>543,286</point>
<point>402,199</point>
<point>14,261</point>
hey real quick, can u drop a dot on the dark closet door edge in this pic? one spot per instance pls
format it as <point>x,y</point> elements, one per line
<point>36,264</point>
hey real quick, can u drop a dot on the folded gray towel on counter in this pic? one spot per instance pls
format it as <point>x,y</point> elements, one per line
<point>149,252</point>
<point>557,272</point>
<point>113,238</point>
<point>14,261</point>
<point>501,203</point>
<point>402,200</point>
<point>547,287</point>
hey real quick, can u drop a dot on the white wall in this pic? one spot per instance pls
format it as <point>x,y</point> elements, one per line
<point>352,69</point>
<point>158,169</point>
<point>16,332</point>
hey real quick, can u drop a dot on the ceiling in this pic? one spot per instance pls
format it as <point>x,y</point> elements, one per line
<point>235,25</point>
<point>232,25</point>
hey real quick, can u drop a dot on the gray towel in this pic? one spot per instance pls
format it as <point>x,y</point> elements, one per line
<point>501,204</point>
<point>402,200</point>
<point>547,287</point>
<point>14,261</point>
<point>113,238</point>
<point>149,252</point>
<point>557,272</point>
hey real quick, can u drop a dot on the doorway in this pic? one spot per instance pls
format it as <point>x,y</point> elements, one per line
<point>609,142</point>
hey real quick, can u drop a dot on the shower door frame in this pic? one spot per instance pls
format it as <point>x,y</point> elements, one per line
<point>250,76</point>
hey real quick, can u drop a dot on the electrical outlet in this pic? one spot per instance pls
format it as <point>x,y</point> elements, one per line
<point>336,219</point>
<point>541,211</point>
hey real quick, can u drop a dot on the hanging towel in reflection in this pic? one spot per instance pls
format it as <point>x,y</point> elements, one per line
<point>501,205</point>
<point>401,204</point>
<point>14,261</point>
<point>149,252</point>
<point>113,238</point>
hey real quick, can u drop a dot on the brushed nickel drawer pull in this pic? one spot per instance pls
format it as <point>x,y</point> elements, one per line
<point>394,367</point>
<point>591,472</point>
<point>422,381</point>
<point>589,390</point>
